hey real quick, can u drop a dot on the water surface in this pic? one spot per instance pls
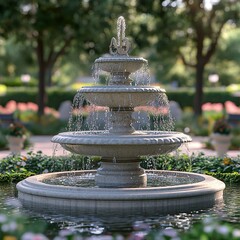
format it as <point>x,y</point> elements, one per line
<point>92,225</point>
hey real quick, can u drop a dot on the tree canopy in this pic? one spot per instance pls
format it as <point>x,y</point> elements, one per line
<point>171,32</point>
<point>49,28</point>
<point>190,30</point>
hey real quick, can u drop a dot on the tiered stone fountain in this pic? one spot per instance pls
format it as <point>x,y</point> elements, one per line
<point>121,184</point>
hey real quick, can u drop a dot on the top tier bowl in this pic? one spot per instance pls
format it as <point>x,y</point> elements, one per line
<point>120,64</point>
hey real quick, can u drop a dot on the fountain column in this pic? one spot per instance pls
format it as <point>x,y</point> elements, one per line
<point>121,172</point>
<point>121,120</point>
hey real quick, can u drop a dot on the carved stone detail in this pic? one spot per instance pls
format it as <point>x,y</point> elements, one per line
<point>122,45</point>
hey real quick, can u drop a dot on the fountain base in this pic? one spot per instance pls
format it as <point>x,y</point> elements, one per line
<point>121,175</point>
<point>204,192</point>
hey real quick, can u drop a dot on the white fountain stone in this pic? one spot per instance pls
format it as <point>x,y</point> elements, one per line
<point>121,184</point>
<point>123,65</point>
<point>121,95</point>
<point>124,146</point>
<point>204,193</point>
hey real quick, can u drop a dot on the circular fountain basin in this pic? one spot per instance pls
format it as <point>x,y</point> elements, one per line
<point>121,147</point>
<point>120,63</point>
<point>197,192</point>
<point>120,95</point>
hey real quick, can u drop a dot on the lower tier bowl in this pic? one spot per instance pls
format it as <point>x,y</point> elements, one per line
<point>121,147</point>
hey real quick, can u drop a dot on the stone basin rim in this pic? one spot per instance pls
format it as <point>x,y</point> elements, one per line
<point>105,138</point>
<point>34,185</point>
<point>118,59</point>
<point>122,89</point>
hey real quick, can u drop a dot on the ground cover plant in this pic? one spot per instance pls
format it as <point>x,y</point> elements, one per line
<point>17,167</point>
<point>226,169</point>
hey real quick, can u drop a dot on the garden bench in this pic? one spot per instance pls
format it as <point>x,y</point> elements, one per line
<point>234,119</point>
<point>6,119</point>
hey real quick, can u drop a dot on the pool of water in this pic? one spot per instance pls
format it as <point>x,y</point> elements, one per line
<point>92,225</point>
<point>154,179</point>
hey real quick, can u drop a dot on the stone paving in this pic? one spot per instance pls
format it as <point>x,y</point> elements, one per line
<point>44,144</point>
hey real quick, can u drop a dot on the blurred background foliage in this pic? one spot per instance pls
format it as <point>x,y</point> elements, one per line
<point>55,42</point>
<point>47,49</point>
<point>17,52</point>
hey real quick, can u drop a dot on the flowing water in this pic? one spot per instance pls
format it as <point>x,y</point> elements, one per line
<point>155,116</point>
<point>93,225</point>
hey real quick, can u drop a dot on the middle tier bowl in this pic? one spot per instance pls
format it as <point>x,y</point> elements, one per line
<point>121,147</point>
<point>120,95</point>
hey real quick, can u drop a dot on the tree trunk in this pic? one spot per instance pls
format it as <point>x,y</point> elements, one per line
<point>198,98</point>
<point>49,75</point>
<point>41,78</point>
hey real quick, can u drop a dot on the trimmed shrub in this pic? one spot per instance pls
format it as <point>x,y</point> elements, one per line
<point>226,177</point>
<point>17,82</point>
<point>226,169</point>
<point>55,96</point>
<point>185,96</point>
<point>38,163</point>
<point>14,177</point>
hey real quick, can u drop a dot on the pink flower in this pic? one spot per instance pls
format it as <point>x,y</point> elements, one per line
<point>51,111</point>
<point>153,110</point>
<point>11,106</point>
<point>22,106</point>
<point>232,108</point>
<point>4,110</point>
<point>32,106</point>
<point>212,107</point>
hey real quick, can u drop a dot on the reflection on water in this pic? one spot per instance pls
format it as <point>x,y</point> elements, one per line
<point>230,212</point>
<point>7,195</point>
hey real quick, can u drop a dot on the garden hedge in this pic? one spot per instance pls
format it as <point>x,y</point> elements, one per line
<point>185,96</point>
<point>55,96</point>
<point>14,168</point>
<point>29,94</point>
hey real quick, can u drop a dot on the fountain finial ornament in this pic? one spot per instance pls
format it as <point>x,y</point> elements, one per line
<point>120,46</point>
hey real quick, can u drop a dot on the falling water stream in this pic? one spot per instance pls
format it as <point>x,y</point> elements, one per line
<point>155,116</point>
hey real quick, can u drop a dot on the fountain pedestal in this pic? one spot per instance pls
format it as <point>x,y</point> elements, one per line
<point>120,175</point>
